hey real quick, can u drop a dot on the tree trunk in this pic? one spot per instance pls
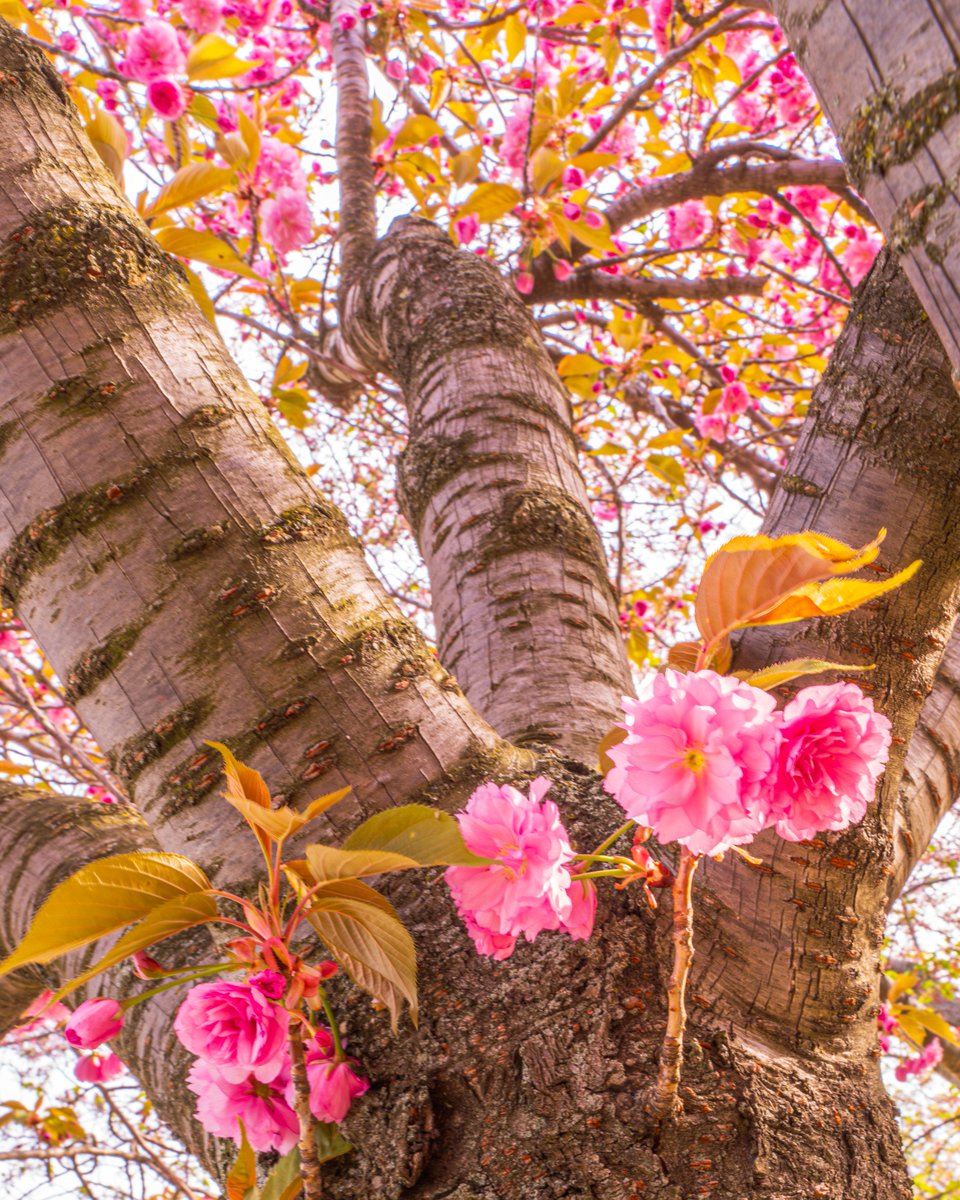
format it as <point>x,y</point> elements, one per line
<point>888,77</point>
<point>525,1079</point>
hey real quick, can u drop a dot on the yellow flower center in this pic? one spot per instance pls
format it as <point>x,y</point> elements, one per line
<point>694,761</point>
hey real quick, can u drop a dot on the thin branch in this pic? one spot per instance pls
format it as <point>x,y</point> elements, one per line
<point>358,196</point>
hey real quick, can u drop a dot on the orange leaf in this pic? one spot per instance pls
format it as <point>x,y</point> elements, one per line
<point>750,576</point>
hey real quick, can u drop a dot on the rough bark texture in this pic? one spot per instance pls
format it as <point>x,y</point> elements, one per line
<point>490,483</point>
<point>888,77</point>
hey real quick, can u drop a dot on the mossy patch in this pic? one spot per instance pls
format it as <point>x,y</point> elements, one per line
<point>42,541</point>
<point>886,131</point>
<point>93,666</point>
<point>8,431</point>
<point>198,540</point>
<point>197,775</point>
<point>137,753</point>
<point>531,518</point>
<point>371,642</point>
<point>318,521</point>
<point>67,252</point>
<point>80,396</point>
<point>425,465</point>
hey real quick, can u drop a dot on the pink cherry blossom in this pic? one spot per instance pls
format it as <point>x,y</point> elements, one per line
<point>10,643</point>
<point>42,1012</point>
<point>286,220</point>
<point>466,228</point>
<point>96,1068</point>
<point>154,52</point>
<point>686,224</point>
<point>833,750</point>
<point>513,147</point>
<point>265,1108</point>
<point>271,983</point>
<point>524,282</point>
<point>562,269</point>
<point>235,1027</point>
<point>698,750</point>
<point>205,16</point>
<point>253,15</point>
<point>134,10</point>
<point>167,98</point>
<point>529,888</point>
<point>926,1060</point>
<point>886,1020</point>
<point>333,1085</point>
<point>858,257</point>
<point>94,1022</point>
<point>279,166</point>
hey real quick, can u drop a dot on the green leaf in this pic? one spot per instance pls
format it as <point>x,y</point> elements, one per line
<point>427,835</point>
<point>242,1180</point>
<point>182,912</point>
<point>329,863</point>
<point>101,897</point>
<point>190,183</point>
<point>203,247</point>
<point>771,677</point>
<point>371,943</point>
<point>330,1143</point>
<point>284,1175</point>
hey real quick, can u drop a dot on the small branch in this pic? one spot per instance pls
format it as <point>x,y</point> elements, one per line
<point>358,196</point>
<point>594,284</point>
<point>663,1101</point>
<point>309,1166</point>
<point>669,60</point>
<point>708,179</point>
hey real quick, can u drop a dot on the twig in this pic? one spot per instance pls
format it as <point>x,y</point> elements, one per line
<point>664,1101</point>
<point>309,1165</point>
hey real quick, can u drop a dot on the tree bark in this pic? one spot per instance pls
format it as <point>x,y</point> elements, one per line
<point>888,77</point>
<point>490,483</point>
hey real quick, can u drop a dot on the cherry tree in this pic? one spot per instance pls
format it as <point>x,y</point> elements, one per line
<point>631,249</point>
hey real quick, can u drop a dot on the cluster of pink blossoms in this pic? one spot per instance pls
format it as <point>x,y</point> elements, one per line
<point>708,761</point>
<point>239,1032</point>
<point>529,887</point>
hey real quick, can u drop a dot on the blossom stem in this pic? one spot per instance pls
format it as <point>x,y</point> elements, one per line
<point>334,1028</point>
<point>607,858</point>
<point>197,973</point>
<point>309,1164</point>
<point>615,836</point>
<point>616,873</point>
<point>663,1101</point>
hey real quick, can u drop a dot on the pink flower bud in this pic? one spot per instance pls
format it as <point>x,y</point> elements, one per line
<point>562,269</point>
<point>145,967</point>
<point>524,282</point>
<point>573,177</point>
<point>94,1022</point>
<point>347,21</point>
